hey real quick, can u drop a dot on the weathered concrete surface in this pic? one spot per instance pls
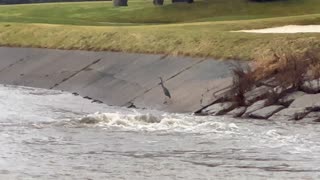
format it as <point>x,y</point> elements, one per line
<point>42,68</point>
<point>266,112</point>
<point>119,78</point>
<point>237,112</point>
<point>187,88</point>
<point>311,86</point>
<point>289,114</point>
<point>256,94</point>
<point>308,101</point>
<point>312,117</point>
<point>254,107</point>
<point>219,108</point>
<point>289,98</point>
<point>116,79</point>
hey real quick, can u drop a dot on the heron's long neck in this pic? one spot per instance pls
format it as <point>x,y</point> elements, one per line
<point>161,83</point>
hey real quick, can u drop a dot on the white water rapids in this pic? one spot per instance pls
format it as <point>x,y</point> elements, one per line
<point>48,134</point>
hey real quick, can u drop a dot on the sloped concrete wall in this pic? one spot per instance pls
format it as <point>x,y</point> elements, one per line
<point>118,79</point>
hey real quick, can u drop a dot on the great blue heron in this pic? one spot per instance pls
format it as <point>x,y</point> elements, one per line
<point>165,90</point>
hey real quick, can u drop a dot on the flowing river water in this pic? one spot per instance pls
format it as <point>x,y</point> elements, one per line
<point>48,134</point>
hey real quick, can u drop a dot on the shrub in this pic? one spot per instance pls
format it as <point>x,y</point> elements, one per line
<point>289,69</point>
<point>282,72</point>
<point>242,81</point>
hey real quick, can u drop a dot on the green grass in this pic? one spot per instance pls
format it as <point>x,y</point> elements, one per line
<point>143,11</point>
<point>199,29</point>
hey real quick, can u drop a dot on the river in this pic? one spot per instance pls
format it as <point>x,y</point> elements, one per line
<point>47,134</point>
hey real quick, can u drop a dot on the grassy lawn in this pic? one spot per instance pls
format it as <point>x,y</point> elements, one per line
<point>199,29</point>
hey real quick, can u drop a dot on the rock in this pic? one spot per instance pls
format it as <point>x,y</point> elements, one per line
<point>87,97</point>
<point>279,89</point>
<point>310,102</point>
<point>89,120</point>
<point>237,112</point>
<point>219,108</point>
<point>255,106</point>
<point>289,98</point>
<point>266,112</point>
<point>130,105</point>
<point>97,101</point>
<point>75,94</point>
<point>290,114</point>
<point>312,117</point>
<point>256,94</point>
<point>311,86</point>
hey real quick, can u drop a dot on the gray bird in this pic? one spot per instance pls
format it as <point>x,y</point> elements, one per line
<point>165,90</point>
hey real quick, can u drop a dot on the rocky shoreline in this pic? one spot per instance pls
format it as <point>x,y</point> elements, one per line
<point>290,104</point>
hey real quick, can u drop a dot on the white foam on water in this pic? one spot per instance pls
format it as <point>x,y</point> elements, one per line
<point>211,127</point>
<point>137,121</point>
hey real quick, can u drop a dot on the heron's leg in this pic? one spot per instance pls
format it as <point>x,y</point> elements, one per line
<point>165,100</point>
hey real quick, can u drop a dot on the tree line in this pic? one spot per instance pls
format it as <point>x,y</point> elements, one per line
<point>40,1</point>
<point>116,2</point>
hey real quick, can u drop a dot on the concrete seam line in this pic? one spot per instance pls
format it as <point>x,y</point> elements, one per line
<point>74,74</point>
<point>187,68</point>
<point>173,76</point>
<point>10,65</point>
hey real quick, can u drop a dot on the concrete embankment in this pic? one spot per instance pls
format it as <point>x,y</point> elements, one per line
<point>118,79</point>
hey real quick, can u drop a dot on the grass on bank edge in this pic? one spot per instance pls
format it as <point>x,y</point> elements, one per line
<point>144,12</point>
<point>207,39</point>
